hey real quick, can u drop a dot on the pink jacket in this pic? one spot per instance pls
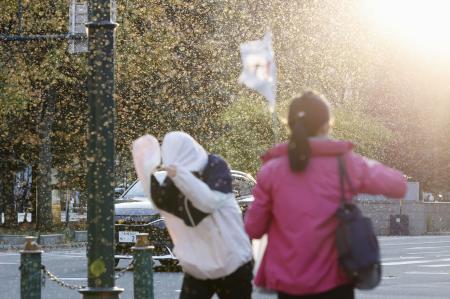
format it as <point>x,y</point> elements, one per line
<point>297,211</point>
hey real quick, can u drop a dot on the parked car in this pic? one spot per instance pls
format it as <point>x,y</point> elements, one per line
<point>134,214</point>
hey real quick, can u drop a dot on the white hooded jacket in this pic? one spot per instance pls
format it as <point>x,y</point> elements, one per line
<point>218,245</point>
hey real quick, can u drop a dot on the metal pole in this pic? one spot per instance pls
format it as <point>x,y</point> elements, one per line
<point>20,15</point>
<point>67,208</point>
<point>143,268</point>
<point>30,270</point>
<point>275,127</point>
<point>100,152</point>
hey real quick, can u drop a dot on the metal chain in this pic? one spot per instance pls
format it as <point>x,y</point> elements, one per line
<point>122,272</point>
<point>43,276</point>
<point>64,284</point>
<point>61,283</point>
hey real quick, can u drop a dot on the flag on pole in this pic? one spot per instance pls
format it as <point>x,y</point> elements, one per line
<point>259,70</point>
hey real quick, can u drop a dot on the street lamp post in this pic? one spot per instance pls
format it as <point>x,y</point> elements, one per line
<point>100,154</point>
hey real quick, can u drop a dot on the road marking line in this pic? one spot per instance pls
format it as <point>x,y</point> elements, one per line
<point>426,252</point>
<point>414,262</point>
<point>435,266</point>
<point>426,247</point>
<point>419,243</point>
<point>403,258</point>
<point>9,263</point>
<point>428,273</point>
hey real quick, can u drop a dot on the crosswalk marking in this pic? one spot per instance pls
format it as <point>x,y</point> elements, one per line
<point>428,252</point>
<point>428,273</point>
<point>415,243</point>
<point>426,247</point>
<point>403,258</point>
<point>435,266</point>
<point>414,262</point>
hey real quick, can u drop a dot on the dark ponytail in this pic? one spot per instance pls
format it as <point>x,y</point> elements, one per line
<point>298,149</point>
<point>307,114</point>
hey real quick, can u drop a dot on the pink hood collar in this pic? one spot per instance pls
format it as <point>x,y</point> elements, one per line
<point>319,147</point>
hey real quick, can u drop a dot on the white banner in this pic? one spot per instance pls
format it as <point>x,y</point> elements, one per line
<point>259,69</point>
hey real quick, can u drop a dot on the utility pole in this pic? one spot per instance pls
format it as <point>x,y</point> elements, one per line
<point>100,153</point>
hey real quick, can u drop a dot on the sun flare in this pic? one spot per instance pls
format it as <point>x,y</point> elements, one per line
<point>423,24</point>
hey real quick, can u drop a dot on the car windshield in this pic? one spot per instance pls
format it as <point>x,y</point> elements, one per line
<point>242,186</point>
<point>135,191</point>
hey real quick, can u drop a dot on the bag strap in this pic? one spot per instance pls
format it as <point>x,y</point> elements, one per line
<point>343,176</point>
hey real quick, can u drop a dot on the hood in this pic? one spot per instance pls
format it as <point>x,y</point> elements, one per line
<point>319,147</point>
<point>179,148</point>
<point>134,206</point>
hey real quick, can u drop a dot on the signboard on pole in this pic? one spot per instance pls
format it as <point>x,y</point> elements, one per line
<point>78,17</point>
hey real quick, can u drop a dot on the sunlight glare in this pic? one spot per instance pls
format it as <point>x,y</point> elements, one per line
<point>423,24</point>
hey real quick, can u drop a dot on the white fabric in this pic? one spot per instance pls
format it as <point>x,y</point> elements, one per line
<point>214,248</point>
<point>201,196</point>
<point>259,248</point>
<point>258,68</point>
<point>179,148</point>
<point>160,176</point>
<point>218,245</point>
<point>146,157</point>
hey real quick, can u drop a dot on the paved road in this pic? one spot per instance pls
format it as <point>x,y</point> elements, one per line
<point>413,267</point>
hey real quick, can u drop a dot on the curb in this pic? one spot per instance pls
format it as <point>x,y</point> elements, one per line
<point>46,241</point>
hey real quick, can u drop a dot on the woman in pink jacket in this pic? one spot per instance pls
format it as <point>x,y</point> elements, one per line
<point>296,197</point>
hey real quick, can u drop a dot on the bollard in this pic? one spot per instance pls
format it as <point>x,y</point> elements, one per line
<point>143,268</point>
<point>30,270</point>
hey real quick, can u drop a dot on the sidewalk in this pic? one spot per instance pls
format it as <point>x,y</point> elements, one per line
<point>12,240</point>
<point>72,217</point>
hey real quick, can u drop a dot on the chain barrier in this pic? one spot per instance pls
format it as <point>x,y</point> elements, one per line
<point>124,270</point>
<point>61,283</point>
<point>64,284</point>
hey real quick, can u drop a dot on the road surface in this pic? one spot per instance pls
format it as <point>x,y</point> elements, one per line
<point>413,267</point>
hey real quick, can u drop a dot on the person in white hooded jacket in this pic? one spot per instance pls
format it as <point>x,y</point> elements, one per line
<point>195,198</point>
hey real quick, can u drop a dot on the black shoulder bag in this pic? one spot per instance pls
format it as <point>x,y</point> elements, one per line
<point>357,244</point>
<point>167,197</point>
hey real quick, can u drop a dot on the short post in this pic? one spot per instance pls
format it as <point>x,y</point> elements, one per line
<point>30,269</point>
<point>143,268</point>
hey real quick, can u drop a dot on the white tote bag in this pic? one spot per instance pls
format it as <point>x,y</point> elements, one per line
<point>259,248</point>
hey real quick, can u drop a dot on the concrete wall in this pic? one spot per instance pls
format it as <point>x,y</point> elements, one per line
<point>437,217</point>
<point>381,210</point>
<point>423,217</point>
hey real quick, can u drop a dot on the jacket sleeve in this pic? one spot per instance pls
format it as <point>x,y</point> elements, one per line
<point>198,192</point>
<point>376,178</point>
<point>146,157</point>
<point>258,217</point>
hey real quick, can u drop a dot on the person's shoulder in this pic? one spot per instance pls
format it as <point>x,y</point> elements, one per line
<point>215,160</point>
<point>217,174</point>
<point>274,167</point>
